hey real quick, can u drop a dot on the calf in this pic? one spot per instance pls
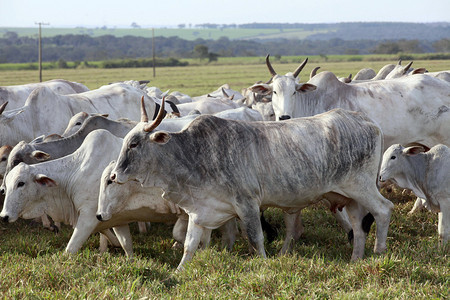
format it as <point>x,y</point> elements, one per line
<point>427,174</point>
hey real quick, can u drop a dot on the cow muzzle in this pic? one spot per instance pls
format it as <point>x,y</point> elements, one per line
<point>284,117</point>
<point>99,217</point>
<point>5,219</point>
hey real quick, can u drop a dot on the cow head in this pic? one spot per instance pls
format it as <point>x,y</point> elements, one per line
<point>4,154</point>
<point>24,193</point>
<point>140,145</point>
<point>113,197</point>
<point>24,152</point>
<point>284,90</point>
<point>395,164</point>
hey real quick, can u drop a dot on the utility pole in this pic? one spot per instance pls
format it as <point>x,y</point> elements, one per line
<point>153,51</point>
<point>40,48</point>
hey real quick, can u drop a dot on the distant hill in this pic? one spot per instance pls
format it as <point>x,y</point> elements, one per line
<point>264,31</point>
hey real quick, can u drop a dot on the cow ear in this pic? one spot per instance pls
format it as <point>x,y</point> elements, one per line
<point>305,87</point>
<point>160,137</point>
<point>261,88</point>
<point>45,181</point>
<point>414,150</point>
<point>419,71</point>
<point>40,155</point>
<point>38,140</point>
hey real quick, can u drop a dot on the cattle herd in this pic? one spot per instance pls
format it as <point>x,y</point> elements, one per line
<point>125,152</point>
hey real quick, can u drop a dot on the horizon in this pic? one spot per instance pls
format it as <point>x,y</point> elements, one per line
<point>194,26</point>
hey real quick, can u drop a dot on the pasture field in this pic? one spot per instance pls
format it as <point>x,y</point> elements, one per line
<point>186,33</point>
<point>33,264</point>
<point>197,78</point>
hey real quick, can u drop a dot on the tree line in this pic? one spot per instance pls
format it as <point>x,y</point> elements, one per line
<point>15,49</point>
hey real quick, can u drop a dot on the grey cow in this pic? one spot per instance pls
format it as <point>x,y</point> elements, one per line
<point>427,174</point>
<point>217,169</point>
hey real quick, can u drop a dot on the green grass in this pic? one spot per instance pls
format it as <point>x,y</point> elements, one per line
<point>34,266</point>
<point>186,34</point>
<point>200,78</point>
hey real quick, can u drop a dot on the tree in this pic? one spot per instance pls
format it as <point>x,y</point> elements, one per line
<point>201,51</point>
<point>135,25</point>
<point>442,45</point>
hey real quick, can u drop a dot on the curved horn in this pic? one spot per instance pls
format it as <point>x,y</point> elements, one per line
<point>269,66</point>
<point>225,93</point>
<point>399,62</point>
<point>302,65</point>
<point>313,72</point>
<point>159,118</point>
<point>2,108</point>
<point>144,116</point>
<point>406,68</point>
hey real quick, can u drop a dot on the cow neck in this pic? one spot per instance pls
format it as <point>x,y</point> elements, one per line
<point>418,175</point>
<point>18,128</point>
<point>60,205</point>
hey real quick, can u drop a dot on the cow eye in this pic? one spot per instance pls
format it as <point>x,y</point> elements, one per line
<point>393,157</point>
<point>133,145</point>
<point>78,123</point>
<point>16,162</point>
<point>21,183</point>
<point>275,92</point>
<point>108,182</point>
<point>294,93</point>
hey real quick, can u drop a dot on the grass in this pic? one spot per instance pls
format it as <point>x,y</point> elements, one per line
<point>186,33</point>
<point>199,78</point>
<point>34,266</point>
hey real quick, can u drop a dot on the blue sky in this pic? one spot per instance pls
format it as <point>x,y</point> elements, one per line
<point>160,13</point>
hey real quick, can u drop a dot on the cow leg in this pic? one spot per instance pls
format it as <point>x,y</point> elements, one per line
<point>248,212</point>
<point>108,236</point>
<point>418,205</point>
<point>356,213</point>
<point>193,237</point>
<point>444,221</point>
<point>294,229</point>
<point>83,229</point>
<point>142,227</point>
<point>179,232</point>
<point>205,239</point>
<point>103,243</point>
<point>377,205</point>
<point>229,232</point>
<point>343,220</point>
<point>124,236</point>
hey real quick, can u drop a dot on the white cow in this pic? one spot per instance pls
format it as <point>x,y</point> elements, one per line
<point>427,174</point>
<point>397,105</point>
<point>66,189</point>
<point>266,164</point>
<point>365,74</point>
<point>133,200</point>
<point>46,113</point>
<point>16,95</point>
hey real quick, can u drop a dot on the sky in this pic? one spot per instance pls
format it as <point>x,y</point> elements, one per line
<point>170,13</point>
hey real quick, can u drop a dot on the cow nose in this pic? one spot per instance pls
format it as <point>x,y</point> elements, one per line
<point>284,117</point>
<point>2,191</point>
<point>99,217</point>
<point>113,176</point>
<point>5,219</point>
